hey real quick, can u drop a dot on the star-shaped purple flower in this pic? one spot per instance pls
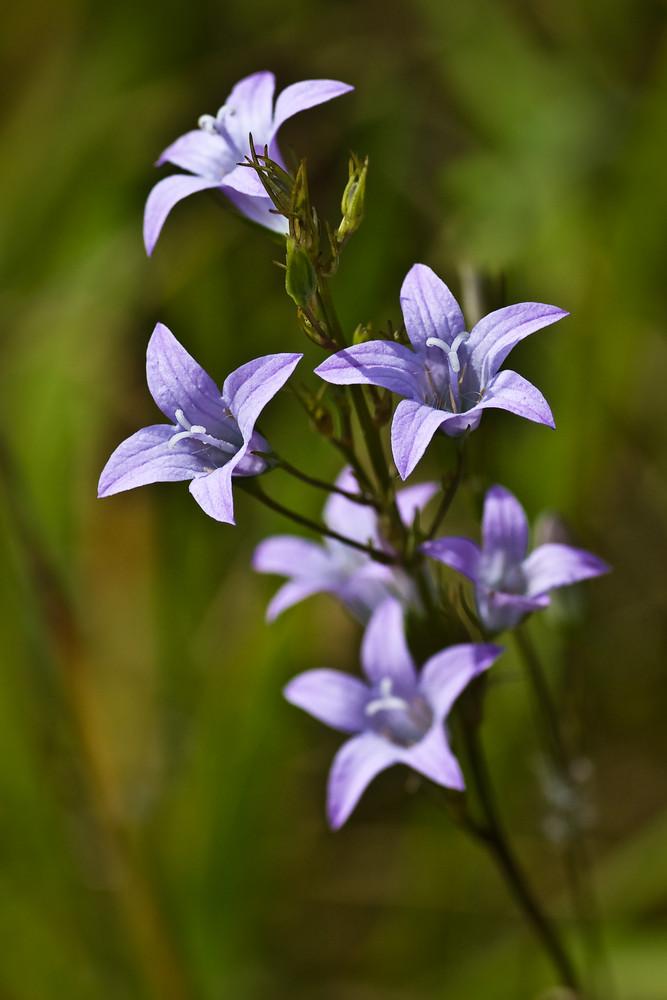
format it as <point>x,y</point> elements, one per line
<point>212,436</point>
<point>358,581</point>
<point>450,376</point>
<point>397,716</point>
<point>509,583</point>
<point>212,152</point>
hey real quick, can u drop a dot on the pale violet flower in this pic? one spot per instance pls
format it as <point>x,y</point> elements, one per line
<point>396,715</point>
<point>509,583</point>
<point>211,435</point>
<point>212,153</point>
<point>358,581</point>
<point>450,376</point>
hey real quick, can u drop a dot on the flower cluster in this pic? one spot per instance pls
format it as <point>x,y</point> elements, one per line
<point>377,543</point>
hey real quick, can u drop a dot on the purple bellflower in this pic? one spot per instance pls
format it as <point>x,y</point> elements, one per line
<point>509,583</point>
<point>396,716</point>
<point>212,153</point>
<point>212,435</point>
<point>356,579</point>
<point>450,376</point>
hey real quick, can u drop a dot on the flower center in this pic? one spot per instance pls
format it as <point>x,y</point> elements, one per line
<point>198,432</point>
<point>397,719</point>
<point>450,350</point>
<point>217,126</point>
<point>499,574</point>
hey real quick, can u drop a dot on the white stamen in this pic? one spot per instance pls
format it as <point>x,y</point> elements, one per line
<point>188,429</point>
<point>387,699</point>
<point>207,124</point>
<point>450,351</point>
<point>182,420</point>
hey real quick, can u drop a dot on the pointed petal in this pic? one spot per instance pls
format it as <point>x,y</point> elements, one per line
<point>504,526</point>
<point>446,674</point>
<point>433,758</point>
<point>355,765</point>
<point>384,651</point>
<point>248,389</point>
<point>250,109</point>
<point>291,556</point>
<point>509,391</point>
<point>413,426</point>
<point>378,362</point>
<point>461,554</point>
<point>177,382</point>
<point>413,499</point>
<point>304,95</point>
<point>162,199</point>
<point>351,519</point>
<point>213,492</point>
<point>554,565</point>
<point>429,308</point>
<point>144,458</point>
<point>256,206</point>
<point>206,155</point>
<point>292,593</point>
<point>495,335</point>
<point>334,698</point>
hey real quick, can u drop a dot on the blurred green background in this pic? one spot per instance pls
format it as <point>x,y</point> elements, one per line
<point>162,829</point>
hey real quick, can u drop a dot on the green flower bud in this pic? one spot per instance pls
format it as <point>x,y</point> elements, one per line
<point>300,275</point>
<point>354,196</point>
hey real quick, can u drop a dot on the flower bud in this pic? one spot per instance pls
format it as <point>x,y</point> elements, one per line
<point>304,226</point>
<point>354,196</point>
<point>300,274</point>
<point>317,334</point>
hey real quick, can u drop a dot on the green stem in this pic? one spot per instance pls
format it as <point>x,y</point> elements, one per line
<point>451,489</point>
<point>255,490</point>
<point>575,855</point>
<point>492,835</point>
<point>319,484</point>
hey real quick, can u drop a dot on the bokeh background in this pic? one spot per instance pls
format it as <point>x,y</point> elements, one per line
<point>162,829</point>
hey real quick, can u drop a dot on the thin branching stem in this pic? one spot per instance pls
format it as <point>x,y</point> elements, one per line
<point>492,835</point>
<point>252,486</point>
<point>359,498</point>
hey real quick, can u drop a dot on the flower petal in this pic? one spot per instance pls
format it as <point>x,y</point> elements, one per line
<point>248,389</point>
<point>461,554</point>
<point>351,519</point>
<point>509,391</point>
<point>555,565</point>
<point>145,457</point>
<point>433,758</point>
<point>250,109</point>
<point>445,675</point>
<point>377,362</point>
<point>291,593</point>
<point>384,651</point>
<point>504,526</point>
<point>213,492</point>
<point>334,698</point>
<point>495,335</point>
<point>202,153</point>
<point>177,382</point>
<point>162,199</point>
<point>355,765</point>
<point>256,206</point>
<point>304,95</point>
<point>292,556</point>
<point>429,308</point>
<point>413,426</point>
<point>413,499</point>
